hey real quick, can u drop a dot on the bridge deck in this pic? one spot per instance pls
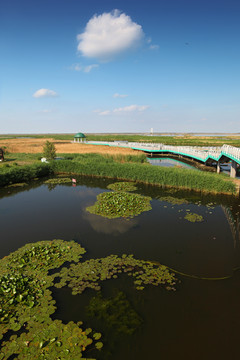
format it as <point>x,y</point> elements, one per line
<point>203,154</point>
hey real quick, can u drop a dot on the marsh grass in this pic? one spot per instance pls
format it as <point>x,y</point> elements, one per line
<point>106,166</point>
<point>172,177</point>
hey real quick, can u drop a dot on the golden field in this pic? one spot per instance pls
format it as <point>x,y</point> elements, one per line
<point>34,146</point>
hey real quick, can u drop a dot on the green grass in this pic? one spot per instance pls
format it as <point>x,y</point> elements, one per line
<point>121,168</point>
<point>107,158</point>
<point>168,140</point>
<point>180,178</point>
<point>17,174</point>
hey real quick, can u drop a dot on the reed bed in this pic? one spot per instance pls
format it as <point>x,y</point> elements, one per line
<point>179,178</point>
<point>128,168</point>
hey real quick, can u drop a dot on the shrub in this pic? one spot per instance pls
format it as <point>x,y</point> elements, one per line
<point>49,150</point>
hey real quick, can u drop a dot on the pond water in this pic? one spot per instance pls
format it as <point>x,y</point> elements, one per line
<point>169,162</point>
<point>200,320</point>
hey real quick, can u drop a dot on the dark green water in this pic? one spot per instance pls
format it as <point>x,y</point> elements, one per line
<point>200,320</point>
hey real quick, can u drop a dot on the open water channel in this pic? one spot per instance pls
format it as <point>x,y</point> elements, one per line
<point>200,320</point>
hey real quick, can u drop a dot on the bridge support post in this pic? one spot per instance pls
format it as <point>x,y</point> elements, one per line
<point>233,170</point>
<point>218,167</point>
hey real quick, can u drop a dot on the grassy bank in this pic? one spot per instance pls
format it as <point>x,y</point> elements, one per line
<point>180,178</point>
<point>124,168</point>
<point>15,174</point>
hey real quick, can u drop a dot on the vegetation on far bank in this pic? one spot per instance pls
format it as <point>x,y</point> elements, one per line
<point>184,139</point>
<point>122,168</point>
<point>146,173</point>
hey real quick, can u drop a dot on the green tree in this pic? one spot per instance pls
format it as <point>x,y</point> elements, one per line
<point>49,150</point>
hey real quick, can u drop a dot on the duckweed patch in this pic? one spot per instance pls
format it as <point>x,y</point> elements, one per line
<point>120,204</point>
<point>192,217</point>
<point>122,186</point>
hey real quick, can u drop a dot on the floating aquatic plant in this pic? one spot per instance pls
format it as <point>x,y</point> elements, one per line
<point>52,340</point>
<point>192,217</point>
<point>88,274</point>
<point>58,180</point>
<point>17,289</point>
<point>122,186</point>
<point>120,204</point>
<point>44,255</point>
<point>17,185</point>
<point>173,200</point>
<point>27,304</point>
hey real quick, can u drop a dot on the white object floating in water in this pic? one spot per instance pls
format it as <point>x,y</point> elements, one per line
<point>74,181</point>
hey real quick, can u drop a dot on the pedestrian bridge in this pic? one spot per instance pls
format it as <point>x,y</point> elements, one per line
<point>206,155</point>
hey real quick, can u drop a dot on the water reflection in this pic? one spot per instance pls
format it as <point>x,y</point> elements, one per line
<point>109,226</point>
<point>116,313</point>
<point>168,162</point>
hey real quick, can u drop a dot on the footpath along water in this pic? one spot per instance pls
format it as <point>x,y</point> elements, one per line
<point>200,320</point>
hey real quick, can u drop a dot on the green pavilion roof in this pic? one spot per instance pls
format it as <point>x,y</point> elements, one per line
<point>79,135</point>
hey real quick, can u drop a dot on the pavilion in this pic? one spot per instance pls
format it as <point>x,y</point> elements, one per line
<point>79,137</point>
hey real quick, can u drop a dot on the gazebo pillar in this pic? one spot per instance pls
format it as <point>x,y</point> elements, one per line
<point>218,167</point>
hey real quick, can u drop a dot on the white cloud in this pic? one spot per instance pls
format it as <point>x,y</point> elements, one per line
<point>119,96</point>
<point>108,35</point>
<point>154,47</point>
<point>45,111</point>
<point>126,109</point>
<point>86,69</point>
<point>103,113</point>
<point>131,108</point>
<point>43,93</point>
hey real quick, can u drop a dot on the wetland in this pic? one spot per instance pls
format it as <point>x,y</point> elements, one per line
<point>160,282</point>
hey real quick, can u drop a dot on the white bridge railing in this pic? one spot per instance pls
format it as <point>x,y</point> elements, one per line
<point>201,153</point>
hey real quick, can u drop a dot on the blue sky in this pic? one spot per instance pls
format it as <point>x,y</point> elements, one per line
<point>119,66</point>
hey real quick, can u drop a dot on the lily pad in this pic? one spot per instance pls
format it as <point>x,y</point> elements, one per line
<point>192,217</point>
<point>122,186</point>
<point>120,204</point>
<point>173,200</point>
<point>58,180</point>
